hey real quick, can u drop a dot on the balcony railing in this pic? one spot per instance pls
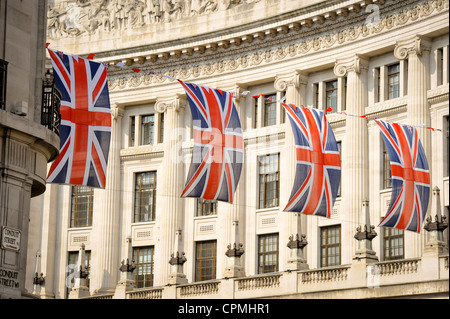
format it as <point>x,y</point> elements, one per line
<point>51,103</point>
<point>3,74</point>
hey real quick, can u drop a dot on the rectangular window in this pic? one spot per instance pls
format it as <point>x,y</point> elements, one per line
<point>144,260</point>
<point>330,246</point>
<point>440,66</point>
<point>270,110</point>
<point>377,84</point>
<point>447,146</point>
<point>147,129</point>
<point>72,266</point>
<point>3,77</point>
<point>161,128</point>
<point>205,260</point>
<point>267,253</point>
<point>393,243</point>
<point>316,95</point>
<point>339,144</point>
<point>393,81</point>
<point>255,122</point>
<point>331,95</point>
<point>206,207</point>
<point>145,197</point>
<point>269,175</point>
<point>82,204</point>
<point>387,177</point>
<point>132,129</point>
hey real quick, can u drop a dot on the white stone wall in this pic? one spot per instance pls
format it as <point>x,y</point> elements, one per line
<point>308,41</point>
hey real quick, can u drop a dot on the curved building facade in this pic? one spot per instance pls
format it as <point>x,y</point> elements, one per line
<point>382,59</point>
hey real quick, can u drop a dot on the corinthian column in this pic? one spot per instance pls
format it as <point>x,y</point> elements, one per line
<point>294,84</point>
<point>355,159</point>
<point>417,51</point>
<point>170,205</point>
<point>105,266</point>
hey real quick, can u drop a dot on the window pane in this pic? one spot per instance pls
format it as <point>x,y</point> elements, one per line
<point>82,206</point>
<point>331,95</point>
<point>269,187</point>
<point>205,260</point>
<point>206,207</point>
<point>330,246</point>
<point>267,253</point>
<point>145,197</point>
<point>147,129</point>
<point>270,104</point>
<point>393,81</point>
<point>143,258</point>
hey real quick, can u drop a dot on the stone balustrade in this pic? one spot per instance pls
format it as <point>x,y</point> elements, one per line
<point>382,279</point>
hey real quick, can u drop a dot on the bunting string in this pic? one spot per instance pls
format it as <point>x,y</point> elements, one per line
<point>122,65</point>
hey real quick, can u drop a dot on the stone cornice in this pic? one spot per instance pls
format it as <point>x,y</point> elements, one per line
<point>206,60</point>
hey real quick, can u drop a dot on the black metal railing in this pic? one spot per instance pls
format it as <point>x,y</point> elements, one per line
<point>3,74</point>
<point>51,102</point>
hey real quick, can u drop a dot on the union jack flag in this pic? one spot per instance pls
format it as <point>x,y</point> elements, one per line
<point>410,177</point>
<point>218,144</point>
<point>318,168</point>
<point>85,129</point>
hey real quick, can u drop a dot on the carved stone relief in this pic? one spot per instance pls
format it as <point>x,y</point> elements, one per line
<point>281,47</point>
<point>77,17</point>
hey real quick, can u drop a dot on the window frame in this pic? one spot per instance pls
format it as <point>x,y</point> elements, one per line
<point>262,183</point>
<point>262,267</point>
<point>137,215</point>
<point>145,282</point>
<point>77,194</point>
<point>325,259</point>
<point>151,129</point>
<point>202,273</point>
<point>389,237</point>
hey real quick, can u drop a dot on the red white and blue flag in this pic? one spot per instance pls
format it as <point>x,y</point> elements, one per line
<point>410,177</point>
<point>318,165</point>
<point>218,144</point>
<point>85,129</point>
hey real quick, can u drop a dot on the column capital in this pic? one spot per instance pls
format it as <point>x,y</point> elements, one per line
<point>296,78</point>
<point>415,45</point>
<point>176,103</point>
<point>355,63</point>
<point>238,90</point>
<point>117,110</point>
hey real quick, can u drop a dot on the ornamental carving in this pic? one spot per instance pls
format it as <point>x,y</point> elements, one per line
<point>280,47</point>
<point>77,17</point>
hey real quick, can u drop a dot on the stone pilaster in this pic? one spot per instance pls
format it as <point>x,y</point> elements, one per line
<point>232,213</point>
<point>295,223</point>
<point>355,159</point>
<point>416,50</point>
<point>106,222</point>
<point>170,213</point>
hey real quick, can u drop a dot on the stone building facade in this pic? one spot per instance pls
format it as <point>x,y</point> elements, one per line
<point>28,136</point>
<point>138,239</point>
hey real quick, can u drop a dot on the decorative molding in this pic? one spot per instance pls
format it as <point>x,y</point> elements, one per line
<point>280,47</point>
<point>283,81</point>
<point>415,45</point>
<point>354,63</point>
<point>87,17</point>
<point>177,103</point>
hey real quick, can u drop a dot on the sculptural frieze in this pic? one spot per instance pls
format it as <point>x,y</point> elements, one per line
<point>78,17</point>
